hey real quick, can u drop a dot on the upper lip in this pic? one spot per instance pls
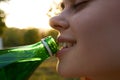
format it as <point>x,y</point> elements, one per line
<point>65,39</point>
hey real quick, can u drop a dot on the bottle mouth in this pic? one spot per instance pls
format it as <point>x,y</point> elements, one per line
<point>50,44</point>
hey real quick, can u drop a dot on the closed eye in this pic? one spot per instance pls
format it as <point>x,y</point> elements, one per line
<point>81,4</point>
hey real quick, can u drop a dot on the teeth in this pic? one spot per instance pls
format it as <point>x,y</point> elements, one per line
<point>65,45</point>
<point>69,45</point>
<point>61,45</point>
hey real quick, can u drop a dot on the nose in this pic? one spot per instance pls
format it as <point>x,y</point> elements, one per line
<point>59,23</point>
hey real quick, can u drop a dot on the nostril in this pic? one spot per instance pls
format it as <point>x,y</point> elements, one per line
<point>59,22</point>
<point>52,22</point>
<point>58,27</point>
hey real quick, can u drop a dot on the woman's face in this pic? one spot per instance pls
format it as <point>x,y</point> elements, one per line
<point>90,32</point>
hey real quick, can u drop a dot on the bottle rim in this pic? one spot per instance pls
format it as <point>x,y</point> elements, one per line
<point>46,46</point>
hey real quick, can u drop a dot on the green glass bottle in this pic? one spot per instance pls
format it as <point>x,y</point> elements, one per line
<point>20,62</point>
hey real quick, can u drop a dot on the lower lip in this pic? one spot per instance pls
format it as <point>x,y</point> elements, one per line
<point>62,51</point>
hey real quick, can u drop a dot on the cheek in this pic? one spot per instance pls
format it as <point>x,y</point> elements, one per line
<point>96,19</point>
<point>98,40</point>
<point>97,27</point>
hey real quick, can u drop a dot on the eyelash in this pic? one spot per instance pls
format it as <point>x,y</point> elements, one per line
<point>81,4</point>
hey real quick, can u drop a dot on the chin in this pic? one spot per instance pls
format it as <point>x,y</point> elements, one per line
<point>67,72</point>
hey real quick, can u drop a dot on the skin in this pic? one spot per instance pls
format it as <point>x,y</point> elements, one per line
<point>94,28</point>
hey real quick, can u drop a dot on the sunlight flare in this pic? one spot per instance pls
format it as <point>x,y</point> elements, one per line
<point>27,13</point>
